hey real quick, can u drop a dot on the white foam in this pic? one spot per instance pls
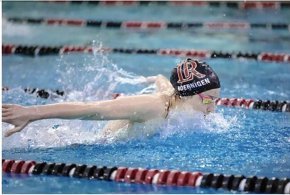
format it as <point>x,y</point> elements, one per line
<point>53,133</point>
<point>217,122</point>
<point>185,122</point>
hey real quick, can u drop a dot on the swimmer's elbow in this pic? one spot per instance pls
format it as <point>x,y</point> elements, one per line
<point>163,83</point>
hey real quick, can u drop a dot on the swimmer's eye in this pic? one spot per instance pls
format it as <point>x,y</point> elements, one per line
<point>206,99</point>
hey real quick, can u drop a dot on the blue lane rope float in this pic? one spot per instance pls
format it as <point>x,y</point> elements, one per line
<point>153,25</point>
<point>269,105</point>
<point>151,176</point>
<point>213,4</point>
<point>37,50</point>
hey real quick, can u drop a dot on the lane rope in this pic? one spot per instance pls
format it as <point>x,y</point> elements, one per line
<point>152,25</point>
<point>269,105</point>
<point>152,176</point>
<point>37,50</point>
<point>41,93</point>
<point>213,4</point>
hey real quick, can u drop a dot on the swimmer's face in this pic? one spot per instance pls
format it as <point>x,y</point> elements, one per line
<point>205,102</point>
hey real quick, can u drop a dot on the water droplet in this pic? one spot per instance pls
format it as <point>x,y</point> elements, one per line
<point>55,126</point>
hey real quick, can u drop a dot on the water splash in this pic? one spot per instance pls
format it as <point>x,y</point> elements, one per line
<point>97,76</point>
<point>187,122</point>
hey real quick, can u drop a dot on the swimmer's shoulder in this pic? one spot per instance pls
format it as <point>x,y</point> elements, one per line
<point>165,95</point>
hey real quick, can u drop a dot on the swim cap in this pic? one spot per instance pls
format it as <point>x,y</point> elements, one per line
<point>192,77</point>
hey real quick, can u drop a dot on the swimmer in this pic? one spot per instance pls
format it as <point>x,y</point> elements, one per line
<point>193,85</point>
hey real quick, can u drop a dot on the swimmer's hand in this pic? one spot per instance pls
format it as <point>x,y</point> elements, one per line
<point>162,83</point>
<point>155,79</point>
<point>16,115</point>
<point>151,79</point>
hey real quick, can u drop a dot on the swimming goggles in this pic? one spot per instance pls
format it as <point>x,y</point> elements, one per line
<point>207,99</point>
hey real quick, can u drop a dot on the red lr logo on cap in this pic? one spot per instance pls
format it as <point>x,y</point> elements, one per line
<point>187,71</point>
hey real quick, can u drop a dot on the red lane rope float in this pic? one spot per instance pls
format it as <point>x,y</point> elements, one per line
<point>17,166</point>
<point>151,24</point>
<point>277,106</point>
<point>152,176</point>
<point>212,4</point>
<point>32,51</point>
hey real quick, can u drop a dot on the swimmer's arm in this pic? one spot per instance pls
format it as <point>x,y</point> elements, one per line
<point>133,108</point>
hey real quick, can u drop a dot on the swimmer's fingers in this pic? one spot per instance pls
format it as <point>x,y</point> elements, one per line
<point>5,110</point>
<point>5,115</point>
<point>7,106</point>
<point>14,130</point>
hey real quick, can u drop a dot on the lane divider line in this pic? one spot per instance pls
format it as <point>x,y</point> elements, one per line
<point>32,51</point>
<point>150,25</point>
<point>152,176</point>
<point>242,5</point>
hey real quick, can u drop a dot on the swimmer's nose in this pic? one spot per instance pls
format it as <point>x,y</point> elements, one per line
<point>206,111</point>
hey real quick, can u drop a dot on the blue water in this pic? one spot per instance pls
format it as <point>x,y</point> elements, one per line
<point>231,141</point>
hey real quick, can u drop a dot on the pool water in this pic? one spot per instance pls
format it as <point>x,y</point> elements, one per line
<point>230,141</point>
